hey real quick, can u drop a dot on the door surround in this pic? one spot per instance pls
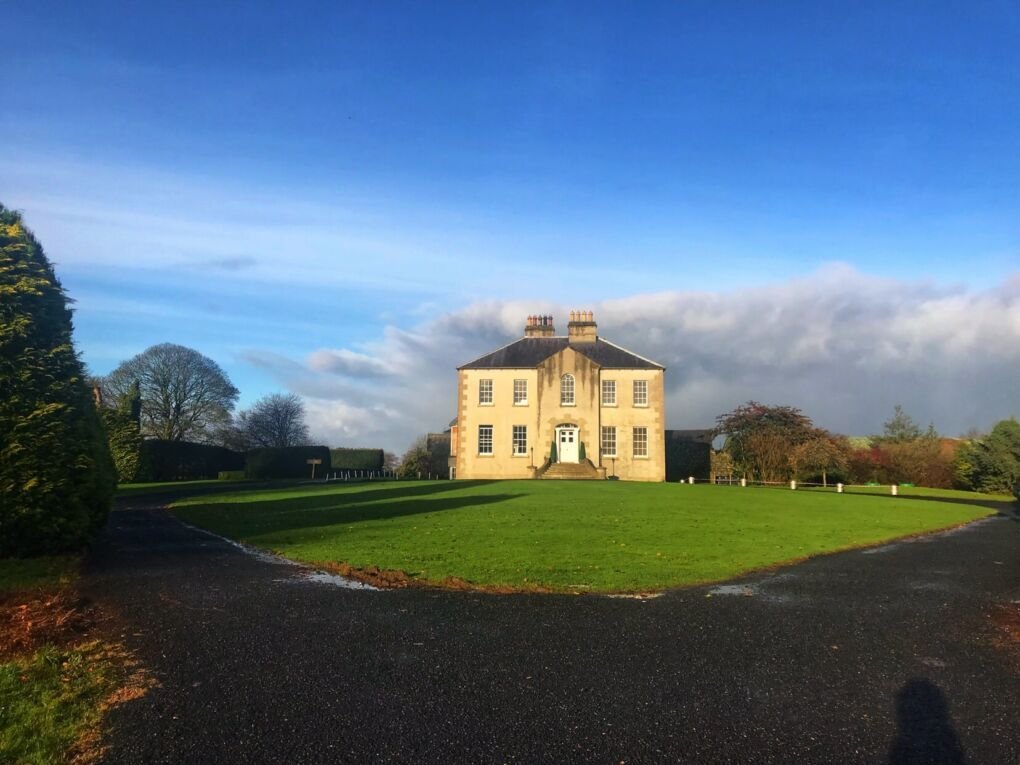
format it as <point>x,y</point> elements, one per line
<point>568,437</point>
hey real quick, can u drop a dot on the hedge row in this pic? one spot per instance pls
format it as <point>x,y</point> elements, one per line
<point>687,458</point>
<point>356,459</point>
<point>288,462</point>
<point>185,461</point>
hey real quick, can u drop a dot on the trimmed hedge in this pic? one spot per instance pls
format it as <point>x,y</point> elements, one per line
<point>356,459</point>
<point>185,461</point>
<point>286,462</point>
<point>685,457</point>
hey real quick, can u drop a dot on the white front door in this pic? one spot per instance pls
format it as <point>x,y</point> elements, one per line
<point>567,444</point>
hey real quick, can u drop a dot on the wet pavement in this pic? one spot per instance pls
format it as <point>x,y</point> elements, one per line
<point>881,655</point>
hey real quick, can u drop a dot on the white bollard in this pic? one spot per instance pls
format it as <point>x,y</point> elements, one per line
<point>839,488</point>
<point>793,485</point>
<point>690,480</point>
<point>895,489</point>
<point>743,482</point>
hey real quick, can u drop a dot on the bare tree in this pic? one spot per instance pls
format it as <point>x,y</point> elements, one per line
<point>185,395</point>
<point>275,420</point>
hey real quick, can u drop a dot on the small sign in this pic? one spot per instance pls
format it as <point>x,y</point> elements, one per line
<point>314,462</point>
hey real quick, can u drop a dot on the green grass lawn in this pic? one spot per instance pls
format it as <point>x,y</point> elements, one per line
<point>160,487</point>
<point>35,573</point>
<point>569,536</point>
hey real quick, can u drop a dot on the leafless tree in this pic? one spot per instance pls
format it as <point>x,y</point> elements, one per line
<point>275,420</point>
<point>185,395</point>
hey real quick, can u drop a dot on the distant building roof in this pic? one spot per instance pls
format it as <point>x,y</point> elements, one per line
<point>531,351</point>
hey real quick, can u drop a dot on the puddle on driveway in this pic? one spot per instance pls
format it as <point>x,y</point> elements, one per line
<point>324,577</point>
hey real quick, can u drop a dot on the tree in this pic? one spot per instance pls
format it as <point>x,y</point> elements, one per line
<point>277,420</point>
<point>822,453</point>
<point>185,395</point>
<point>991,463</point>
<point>416,461</point>
<point>899,428</point>
<point>760,438</point>
<point>56,475</point>
<point>123,431</point>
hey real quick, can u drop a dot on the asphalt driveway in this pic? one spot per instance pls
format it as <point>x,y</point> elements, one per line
<point>885,655</point>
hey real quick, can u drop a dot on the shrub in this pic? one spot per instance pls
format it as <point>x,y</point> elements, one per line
<point>286,462</point>
<point>231,475</point>
<point>185,461</point>
<point>56,474</point>
<point>356,459</point>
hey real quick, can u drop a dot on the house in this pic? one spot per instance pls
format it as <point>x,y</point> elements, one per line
<point>553,406</point>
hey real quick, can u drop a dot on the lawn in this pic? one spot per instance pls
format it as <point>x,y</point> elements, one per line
<point>567,536</point>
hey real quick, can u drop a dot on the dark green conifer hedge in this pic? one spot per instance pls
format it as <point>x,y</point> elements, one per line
<point>56,475</point>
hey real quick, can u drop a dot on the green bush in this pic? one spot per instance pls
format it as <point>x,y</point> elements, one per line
<point>231,475</point>
<point>56,474</point>
<point>286,462</point>
<point>185,461</point>
<point>356,459</point>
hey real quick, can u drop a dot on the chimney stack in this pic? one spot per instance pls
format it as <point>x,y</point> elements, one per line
<point>582,327</point>
<point>539,326</point>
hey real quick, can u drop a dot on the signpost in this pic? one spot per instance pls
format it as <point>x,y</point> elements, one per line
<point>313,463</point>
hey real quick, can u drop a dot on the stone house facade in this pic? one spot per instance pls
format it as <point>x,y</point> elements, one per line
<point>552,406</point>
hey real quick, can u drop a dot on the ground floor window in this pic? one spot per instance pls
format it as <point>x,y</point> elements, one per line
<point>520,439</point>
<point>608,441</point>
<point>640,442</point>
<point>485,439</point>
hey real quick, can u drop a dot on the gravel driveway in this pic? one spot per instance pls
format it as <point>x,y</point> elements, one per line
<point>883,655</point>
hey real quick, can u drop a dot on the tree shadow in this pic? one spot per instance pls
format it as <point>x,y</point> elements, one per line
<point>926,733</point>
<point>1005,508</point>
<point>377,491</point>
<point>243,520</point>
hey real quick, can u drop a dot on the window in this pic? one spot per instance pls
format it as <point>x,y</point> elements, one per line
<point>640,442</point>
<point>641,393</point>
<point>520,439</point>
<point>485,439</point>
<point>520,392</point>
<point>608,441</point>
<point>609,393</point>
<point>567,390</point>
<point>485,391</point>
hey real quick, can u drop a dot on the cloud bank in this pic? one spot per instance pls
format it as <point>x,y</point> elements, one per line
<point>843,346</point>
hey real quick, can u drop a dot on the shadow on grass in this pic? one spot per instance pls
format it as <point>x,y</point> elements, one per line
<point>243,521</point>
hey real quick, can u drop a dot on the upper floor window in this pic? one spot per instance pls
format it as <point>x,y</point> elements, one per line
<point>485,439</point>
<point>641,393</point>
<point>609,393</point>
<point>485,391</point>
<point>520,392</point>
<point>567,390</point>
<point>640,441</point>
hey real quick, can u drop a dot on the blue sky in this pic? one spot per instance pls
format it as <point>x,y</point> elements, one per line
<point>272,184</point>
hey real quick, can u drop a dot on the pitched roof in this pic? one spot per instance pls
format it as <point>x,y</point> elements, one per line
<point>531,351</point>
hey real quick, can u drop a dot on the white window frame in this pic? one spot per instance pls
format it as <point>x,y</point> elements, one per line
<point>485,439</point>
<point>639,441</point>
<point>519,440</point>
<point>607,449</point>
<point>520,397</point>
<point>485,392</point>
<point>641,385</point>
<point>564,388</point>
<point>609,386</point>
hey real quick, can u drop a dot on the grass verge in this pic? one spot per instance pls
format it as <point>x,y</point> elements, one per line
<point>562,536</point>
<point>56,680</point>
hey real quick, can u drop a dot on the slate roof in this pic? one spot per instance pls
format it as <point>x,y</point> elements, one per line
<point>531,351</point>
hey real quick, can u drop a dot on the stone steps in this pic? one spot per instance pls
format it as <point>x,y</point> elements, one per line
<point>571,471</point>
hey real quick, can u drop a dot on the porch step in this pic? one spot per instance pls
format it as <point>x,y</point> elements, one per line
<point>571,471</point>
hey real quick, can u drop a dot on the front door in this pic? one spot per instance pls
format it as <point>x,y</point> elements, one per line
<point>567,444</point>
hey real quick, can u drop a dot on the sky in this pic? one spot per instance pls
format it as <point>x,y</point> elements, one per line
<point>805,203</point>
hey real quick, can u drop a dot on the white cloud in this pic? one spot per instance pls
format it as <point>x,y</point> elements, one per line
<point>843,346</point>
